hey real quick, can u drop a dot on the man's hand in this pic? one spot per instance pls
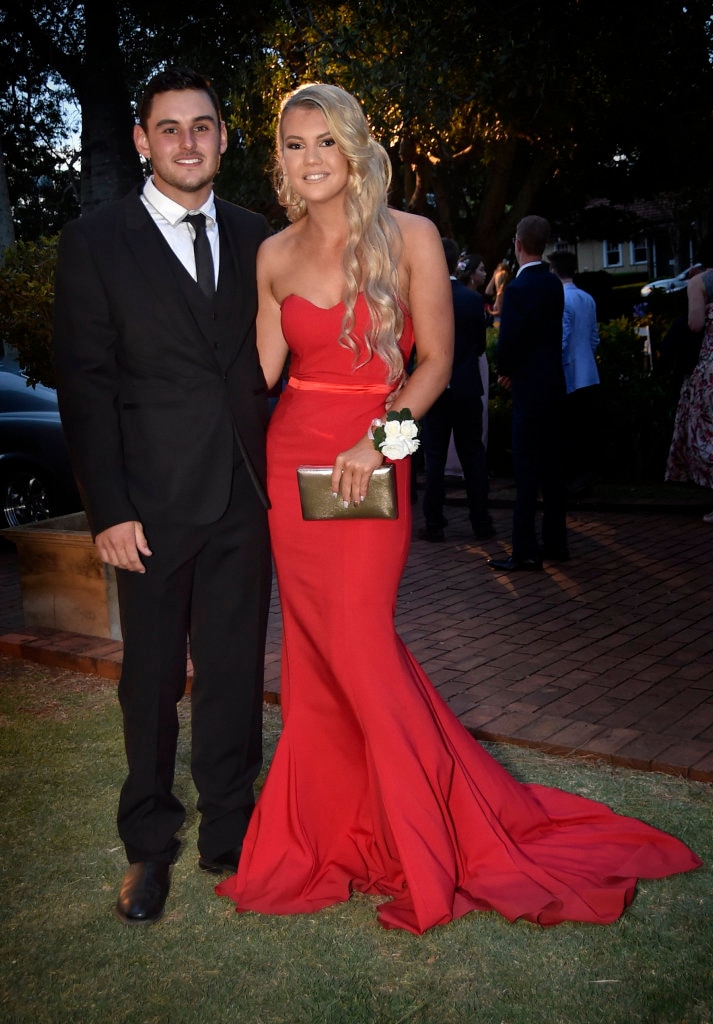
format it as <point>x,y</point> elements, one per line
<point>505,382</point>
<point>120,546</point>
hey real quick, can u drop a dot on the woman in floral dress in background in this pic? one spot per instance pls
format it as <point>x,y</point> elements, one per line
<point>691,455</point>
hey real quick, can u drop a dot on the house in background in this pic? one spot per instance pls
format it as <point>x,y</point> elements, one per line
<point>645,238</point>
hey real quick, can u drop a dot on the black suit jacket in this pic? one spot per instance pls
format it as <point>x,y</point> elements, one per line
<point>469,317</point>
<point>156,384</point>
<point>529,349</point>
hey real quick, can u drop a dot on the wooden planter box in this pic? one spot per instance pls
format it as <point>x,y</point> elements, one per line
<point>64,585</point>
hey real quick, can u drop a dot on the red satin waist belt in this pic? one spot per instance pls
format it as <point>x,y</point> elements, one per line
<point>339,389</point>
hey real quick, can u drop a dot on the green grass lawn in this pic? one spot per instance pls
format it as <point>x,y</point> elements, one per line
<point>64,956</point>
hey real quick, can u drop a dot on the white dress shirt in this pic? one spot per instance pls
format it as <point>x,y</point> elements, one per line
<point>168,216</point>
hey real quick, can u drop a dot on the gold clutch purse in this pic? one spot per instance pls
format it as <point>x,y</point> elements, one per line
<point>315,484</point>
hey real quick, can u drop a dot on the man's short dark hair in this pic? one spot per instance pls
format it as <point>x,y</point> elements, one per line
<point>533,232</point>
<point>452,252</point>
<point>174,79</point>
<point>563,262</point>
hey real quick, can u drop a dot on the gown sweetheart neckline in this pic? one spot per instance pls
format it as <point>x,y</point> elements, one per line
<point>329,309</point>
<point>303,298</point>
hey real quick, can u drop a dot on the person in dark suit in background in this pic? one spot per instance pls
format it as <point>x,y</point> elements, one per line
<point>580,339</point>
<point>164,406</point>
<point>458,411</point>
<point>470,271</point>
<point>529,360</point>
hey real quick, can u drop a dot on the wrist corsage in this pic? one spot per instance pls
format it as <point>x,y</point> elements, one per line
<point>397,437</point>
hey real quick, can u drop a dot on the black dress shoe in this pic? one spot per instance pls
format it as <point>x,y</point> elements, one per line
<point>555,554</point>
<point>143,892</point>
<point>226,863</point>
<point>515,564</point>
<point>435,536</point>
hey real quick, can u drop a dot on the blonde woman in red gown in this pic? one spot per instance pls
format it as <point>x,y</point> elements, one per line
<point>375,786</point>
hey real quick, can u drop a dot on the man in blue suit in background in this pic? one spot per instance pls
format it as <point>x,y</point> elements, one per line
<point>529,358</point>
<point>580,338</point>
<point>459,411</point>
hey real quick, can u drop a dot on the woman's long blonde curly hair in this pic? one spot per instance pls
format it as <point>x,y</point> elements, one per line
<point>373,238</point>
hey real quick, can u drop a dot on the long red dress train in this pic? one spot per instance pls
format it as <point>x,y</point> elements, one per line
<point>375,786</point>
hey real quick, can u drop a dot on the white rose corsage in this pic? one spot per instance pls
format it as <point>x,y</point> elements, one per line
<point>397,437</point>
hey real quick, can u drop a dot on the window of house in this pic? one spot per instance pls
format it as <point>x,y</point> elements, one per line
<point>613,254</point>
<point>639,251</point>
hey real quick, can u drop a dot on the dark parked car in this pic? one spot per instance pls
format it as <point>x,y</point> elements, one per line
<point>35,475</point>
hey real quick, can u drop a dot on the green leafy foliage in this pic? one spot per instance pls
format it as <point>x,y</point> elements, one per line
<point>26,298</point>
<point>638,405</point>
<point>488,110</point>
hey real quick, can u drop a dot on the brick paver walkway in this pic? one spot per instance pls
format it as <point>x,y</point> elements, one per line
<point>609,655</point>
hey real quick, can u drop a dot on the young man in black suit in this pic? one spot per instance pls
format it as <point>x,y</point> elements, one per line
<point>459,411</point>
<point>164,406</point>
<point>529,359</point>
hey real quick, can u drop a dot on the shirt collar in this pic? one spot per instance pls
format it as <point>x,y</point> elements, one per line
<point>532,263</point>
<point>173,212</point>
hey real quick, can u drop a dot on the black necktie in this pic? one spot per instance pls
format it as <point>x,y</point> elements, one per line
<point>205,273</point>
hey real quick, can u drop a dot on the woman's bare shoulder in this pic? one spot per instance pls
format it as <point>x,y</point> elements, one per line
<point>282,241</point>
<point>413,225</point>
<point>277,252</point>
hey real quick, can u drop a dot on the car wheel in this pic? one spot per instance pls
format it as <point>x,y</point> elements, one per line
<point>26,496</point>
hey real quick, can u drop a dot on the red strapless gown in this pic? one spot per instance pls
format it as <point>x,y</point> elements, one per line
<point>375,786</point>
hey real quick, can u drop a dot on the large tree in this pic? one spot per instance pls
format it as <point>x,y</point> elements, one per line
<point>103,52</point>
<point>40,168</point>
<point>81,45</point>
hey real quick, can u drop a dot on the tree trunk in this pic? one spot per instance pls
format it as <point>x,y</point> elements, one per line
<point>493,228</point>
<point>443,204</point>
<point>95,72</point>
<point>110,163</point>
<point>496,222</point>
<point>536,176</point>
<point>416,202</point>
<point>7,227</point>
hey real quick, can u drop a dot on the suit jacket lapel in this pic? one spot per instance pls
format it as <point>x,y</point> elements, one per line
<point>163,271</point>
<point>165,275</point>
<point>232,278</point>
<point>150,249</point>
